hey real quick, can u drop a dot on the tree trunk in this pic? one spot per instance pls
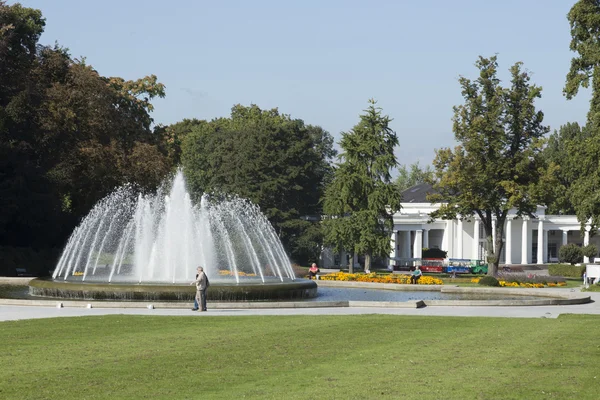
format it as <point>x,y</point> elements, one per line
<point>351,264</point>
<point>498,246</point>
<point>492,260</point>
<point>368,262</point>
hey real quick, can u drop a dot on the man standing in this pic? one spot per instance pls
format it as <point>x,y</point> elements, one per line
<point>201,286</point>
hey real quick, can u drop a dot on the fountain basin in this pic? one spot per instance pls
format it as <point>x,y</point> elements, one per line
<point>245,290</point>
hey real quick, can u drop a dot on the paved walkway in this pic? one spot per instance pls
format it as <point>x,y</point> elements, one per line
<point>8,313</point>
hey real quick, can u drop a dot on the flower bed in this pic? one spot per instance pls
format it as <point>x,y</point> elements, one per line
<point>224,272</point>
<point>374,277</point>
<point>517,283</point>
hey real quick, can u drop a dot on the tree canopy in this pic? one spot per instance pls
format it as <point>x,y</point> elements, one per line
<point>582,168</point>
<point>561,150</point>
<point>413,175</point>
<point>361,199</point>
<point>497,164</point>
<point>277,162</point>
<point>68,135</point>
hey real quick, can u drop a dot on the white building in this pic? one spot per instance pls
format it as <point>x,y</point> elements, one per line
<point>527,240</point>
<point>465,239</point>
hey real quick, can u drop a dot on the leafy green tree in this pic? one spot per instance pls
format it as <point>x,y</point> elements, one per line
<point>361,199</point>
<point>413,175</point>
<point>173,136</point>
<point>570,253</point>
<point>68,135</point>
<point>561,150</point>
<point>277,162</point>
<point>497,164</point>
<point>584,19</point>
<point>590,250</point>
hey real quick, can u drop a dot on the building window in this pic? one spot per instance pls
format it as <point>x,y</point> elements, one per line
<point>552,253</point>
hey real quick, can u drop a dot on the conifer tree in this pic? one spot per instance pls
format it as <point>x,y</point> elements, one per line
<point>361,199</point>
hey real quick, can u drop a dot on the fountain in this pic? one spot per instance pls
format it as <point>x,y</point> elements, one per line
<point>136,246</point>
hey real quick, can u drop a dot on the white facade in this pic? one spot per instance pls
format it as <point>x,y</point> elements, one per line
<point>465,239</point>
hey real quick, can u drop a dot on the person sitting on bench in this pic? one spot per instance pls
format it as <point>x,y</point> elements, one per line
<point>313,271</point>
<point>416,274</point>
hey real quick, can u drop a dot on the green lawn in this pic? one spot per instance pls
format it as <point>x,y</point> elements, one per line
<point>300,357</point>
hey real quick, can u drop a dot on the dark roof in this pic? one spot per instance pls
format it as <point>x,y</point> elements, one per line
<point>417,193</point>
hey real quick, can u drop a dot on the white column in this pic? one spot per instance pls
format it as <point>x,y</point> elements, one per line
<point>545,245</point>
<point>393,252</point>
<point>508,244</point>
<point>406,252</point>
<point>450,242</point>
<point>459,242</point>
<point>525,242</point>
<point>475,254</point>
<point>586,241</point>
<point>425,238</point>
<point>494,235</point>
<point>540,242</point>
<point>565,237</point>
<point>418,248</point>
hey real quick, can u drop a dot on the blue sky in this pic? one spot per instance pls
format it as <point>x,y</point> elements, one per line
<point>322,60</point>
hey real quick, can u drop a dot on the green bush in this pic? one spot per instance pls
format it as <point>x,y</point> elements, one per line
<point>570,253</point>
<point>566,270</point>
<point>489,281</point>
<point>590,250</point>
<point>434,253</point>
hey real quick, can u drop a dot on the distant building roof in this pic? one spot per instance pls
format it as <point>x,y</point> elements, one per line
<point>417,193</point>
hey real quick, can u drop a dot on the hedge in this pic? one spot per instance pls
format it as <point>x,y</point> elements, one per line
<point>566,270</point>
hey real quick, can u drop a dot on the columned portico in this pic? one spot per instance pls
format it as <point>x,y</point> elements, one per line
<point>462,238</point>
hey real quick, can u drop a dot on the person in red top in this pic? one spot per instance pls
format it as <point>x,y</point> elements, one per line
<point>313,271</point>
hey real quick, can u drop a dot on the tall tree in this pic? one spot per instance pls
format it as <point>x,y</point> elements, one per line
<point>361,199</point>
<point>413,175</point>
<point>497,164</point>
<point>277,162</point>
<point>584,19</point>
<point>561,150</point>
<point>68,135</point>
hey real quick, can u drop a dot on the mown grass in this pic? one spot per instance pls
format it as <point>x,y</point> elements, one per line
<point>592,288</point>
<point>300,357</point>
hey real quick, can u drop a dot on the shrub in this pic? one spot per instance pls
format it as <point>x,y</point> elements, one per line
<point>520,277</point>
<point>567,270</point>
<point>570,253</point>
<point>489,281</point>
<point>434,253</point>
<point>590,250</point>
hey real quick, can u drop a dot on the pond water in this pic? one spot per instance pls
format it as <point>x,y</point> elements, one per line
<point>360,294</point>
<point>338,294</point>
